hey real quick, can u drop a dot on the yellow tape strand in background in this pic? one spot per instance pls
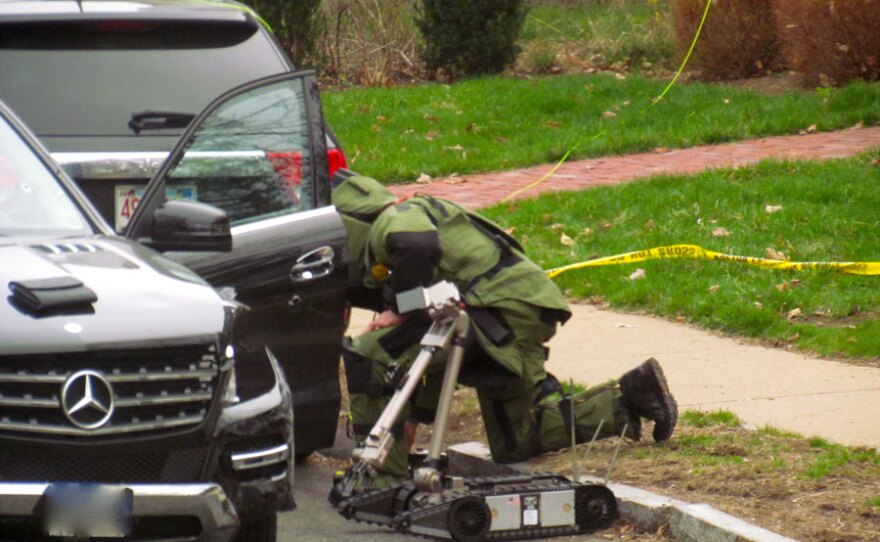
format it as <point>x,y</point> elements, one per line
<point>699,253</point>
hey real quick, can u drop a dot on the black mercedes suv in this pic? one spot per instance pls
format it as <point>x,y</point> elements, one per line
<point>131,388</point>
<point>109,87</point>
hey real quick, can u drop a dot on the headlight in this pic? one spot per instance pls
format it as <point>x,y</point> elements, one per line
<point>252,375</point>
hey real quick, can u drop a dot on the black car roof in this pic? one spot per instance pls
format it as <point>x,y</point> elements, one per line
<point>177,10</point>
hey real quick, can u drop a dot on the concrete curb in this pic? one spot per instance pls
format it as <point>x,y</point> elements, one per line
<point>688,522</point>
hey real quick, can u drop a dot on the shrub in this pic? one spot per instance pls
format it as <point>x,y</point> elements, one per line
<point>831,42</point>
<point>738,40</point>
<point>295,24</point>
<point>470,37</point>
<point>369,42</point>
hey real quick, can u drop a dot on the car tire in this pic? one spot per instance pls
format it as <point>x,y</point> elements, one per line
<point>264,529</point>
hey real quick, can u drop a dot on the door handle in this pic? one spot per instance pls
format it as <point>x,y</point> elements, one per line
<point>313,265</point>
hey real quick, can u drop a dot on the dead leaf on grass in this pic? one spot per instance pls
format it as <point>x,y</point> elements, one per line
<point>770,209</point>
<point>551,123</point>
<point>380,118</point>
<point>556,227</point>
<point>587,231</point>
<point>650,225</point>
<point>454,148</point>
<point>638,274</point>
<point>619,76</point>
<point>811,129</point>
<point>714,288</point>
<point>432,135</point>
<point>376,128</point>
<point>566,240</point>
<point>609,115</point>
<point>720,232</point>
<point>509,231</point>
<point>424,178</point>
<point>502,139</point>
<point>773,254</point>
<point>794,314</point>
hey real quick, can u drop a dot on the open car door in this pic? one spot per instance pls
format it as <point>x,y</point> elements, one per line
<point>259,153</point>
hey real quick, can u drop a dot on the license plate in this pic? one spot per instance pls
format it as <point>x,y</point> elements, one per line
<point>127,198</point>
<point>87,510</point>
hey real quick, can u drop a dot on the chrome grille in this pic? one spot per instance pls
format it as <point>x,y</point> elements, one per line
<point>153,389</point>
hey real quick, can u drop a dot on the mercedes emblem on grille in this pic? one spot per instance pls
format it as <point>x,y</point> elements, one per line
<point>87,399</point>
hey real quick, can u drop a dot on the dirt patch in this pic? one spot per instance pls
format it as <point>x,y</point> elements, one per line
<point>774,84</point>
<point>805,489</point>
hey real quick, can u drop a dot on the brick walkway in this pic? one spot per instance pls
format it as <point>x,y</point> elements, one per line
<point>485,189</point>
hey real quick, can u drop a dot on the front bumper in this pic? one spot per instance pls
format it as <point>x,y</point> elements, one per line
<point>170,505</point>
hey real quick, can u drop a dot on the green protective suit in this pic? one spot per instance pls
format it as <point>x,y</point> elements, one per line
<point>514,308</point>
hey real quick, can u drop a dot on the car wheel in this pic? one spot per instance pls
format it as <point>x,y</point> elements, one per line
<point>264,529</point>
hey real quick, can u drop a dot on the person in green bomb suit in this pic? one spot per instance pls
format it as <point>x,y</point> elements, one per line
<point>396,245</point>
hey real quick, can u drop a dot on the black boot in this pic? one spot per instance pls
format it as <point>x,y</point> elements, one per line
<point>645,393</point>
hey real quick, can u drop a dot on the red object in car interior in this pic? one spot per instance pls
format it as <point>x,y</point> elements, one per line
<point>288,166</point>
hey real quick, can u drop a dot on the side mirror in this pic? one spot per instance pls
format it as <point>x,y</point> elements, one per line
<point>190,226</point>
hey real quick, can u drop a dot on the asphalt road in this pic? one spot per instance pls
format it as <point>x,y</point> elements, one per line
<point>316,520</point>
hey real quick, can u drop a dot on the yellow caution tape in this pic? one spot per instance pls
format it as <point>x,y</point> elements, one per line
<point>695,252</point>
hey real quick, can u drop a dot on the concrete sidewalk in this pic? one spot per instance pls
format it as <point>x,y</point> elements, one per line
<point>764,386</point>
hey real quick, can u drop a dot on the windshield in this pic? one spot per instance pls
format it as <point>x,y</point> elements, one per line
<point>88,79</point>
<point>32,201</point>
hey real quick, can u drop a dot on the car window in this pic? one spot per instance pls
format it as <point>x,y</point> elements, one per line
<point>250,156</point>
<point>32,200</point>
<point>88,78</point>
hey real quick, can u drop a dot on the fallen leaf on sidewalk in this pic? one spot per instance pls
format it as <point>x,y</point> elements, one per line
<point>424,178</point>
<point>626,325</point>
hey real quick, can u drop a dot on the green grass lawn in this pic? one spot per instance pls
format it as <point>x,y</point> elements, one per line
<point>499,123</point>
<point>829,213</point>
